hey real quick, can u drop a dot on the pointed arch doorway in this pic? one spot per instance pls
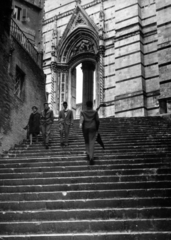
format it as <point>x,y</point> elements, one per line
<point>82,86</point>
<point>79,44</point>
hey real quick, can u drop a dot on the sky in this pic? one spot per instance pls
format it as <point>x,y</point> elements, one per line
<point>79,84</point>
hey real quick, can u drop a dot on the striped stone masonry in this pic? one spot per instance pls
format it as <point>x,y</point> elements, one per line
<point>137,43</point>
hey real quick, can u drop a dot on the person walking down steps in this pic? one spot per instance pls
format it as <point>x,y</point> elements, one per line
<point>33,126</point>
<point>89,122</point>
<point>65,123</point>
<point>46,120</point>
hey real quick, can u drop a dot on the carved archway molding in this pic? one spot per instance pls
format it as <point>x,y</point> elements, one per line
<point>80,42</point>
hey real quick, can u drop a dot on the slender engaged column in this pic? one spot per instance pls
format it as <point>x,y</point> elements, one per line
<point>88,75</point>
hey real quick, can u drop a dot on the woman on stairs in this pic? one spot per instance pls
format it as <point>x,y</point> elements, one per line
<point>34,124</point>
<point>89,122</point>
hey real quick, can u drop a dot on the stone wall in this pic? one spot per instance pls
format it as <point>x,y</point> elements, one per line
<point>15,111</point>
<point>5,100</point>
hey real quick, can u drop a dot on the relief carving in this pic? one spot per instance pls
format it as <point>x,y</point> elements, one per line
<point>83,46</point>
<point>79,21</point>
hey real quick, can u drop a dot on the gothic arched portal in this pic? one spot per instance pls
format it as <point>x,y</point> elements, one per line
<point>79,44</point>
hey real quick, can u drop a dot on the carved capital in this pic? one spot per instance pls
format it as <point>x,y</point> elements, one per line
<point>59,68</point>
<point>88,66</point>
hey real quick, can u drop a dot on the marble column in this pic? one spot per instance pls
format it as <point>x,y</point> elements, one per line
<point>88,75</point>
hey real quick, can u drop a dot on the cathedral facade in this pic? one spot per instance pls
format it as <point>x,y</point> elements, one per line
<point>124,51</point>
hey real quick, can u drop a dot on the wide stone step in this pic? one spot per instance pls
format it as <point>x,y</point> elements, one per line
<point>116,135</point>
<point>111,139</point>
<point>86,194</point>
<point>90,172</point>
<point>145,133</point>
<point>72,167</point>
<point>32,161</point>
<point>20,163</point>
<point>54,149</point>
<point>123,132</point>
<point>108,145</point>
<point>86,203</point>
<point>85,186</point>
<point>124,235</point>
<point>86,214</point>
<point>68,152</point>
<point>81,158</point>
<point>88,179</point>
<point>85,226</point>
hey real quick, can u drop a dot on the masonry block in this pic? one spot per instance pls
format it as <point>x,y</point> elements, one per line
<point>128,49</point>
<point>109,70</point>
<point>164,55</point>
<point>130,72</point>
<point>128,60</point>
<point>150,58</point>
<point>151,71</point>
<point>129,86</point>
<point>109,81</point>
<point>152,84</point>
<point>109,95</point>
<point>130,106</point>
<point>121,4</point>
<point>165,72</point>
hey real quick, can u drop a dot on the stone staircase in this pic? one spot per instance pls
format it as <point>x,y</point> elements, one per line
<point>54,194</point>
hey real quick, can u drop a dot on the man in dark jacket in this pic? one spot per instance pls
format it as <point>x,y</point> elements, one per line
<point>65,118</point>
<point>89,122</point>
<point>46,120</point>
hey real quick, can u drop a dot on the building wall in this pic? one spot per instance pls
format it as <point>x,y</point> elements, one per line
<point>5,101</point>
<point>31,25</point>
<point>137,51</point>
<point>15,111</point>
<point>16,108</point>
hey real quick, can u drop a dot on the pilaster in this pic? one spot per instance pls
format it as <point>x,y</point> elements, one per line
<point>164,53</point>
<point>88,75</point>
<point>129,60</point>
